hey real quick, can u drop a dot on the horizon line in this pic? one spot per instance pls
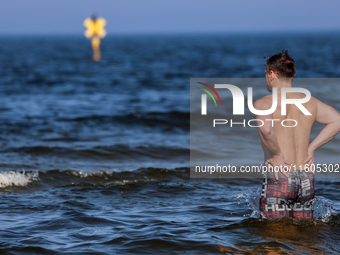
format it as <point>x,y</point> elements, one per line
<point>283,31</point>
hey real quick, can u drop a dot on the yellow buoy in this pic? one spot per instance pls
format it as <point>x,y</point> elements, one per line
<point>95,31</point>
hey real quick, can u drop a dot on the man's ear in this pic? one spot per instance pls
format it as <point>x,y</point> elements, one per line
<point>272,74</point>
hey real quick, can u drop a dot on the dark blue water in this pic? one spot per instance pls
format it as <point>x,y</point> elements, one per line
<point>94,157</point>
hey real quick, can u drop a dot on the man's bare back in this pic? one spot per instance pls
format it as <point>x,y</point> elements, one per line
<point>293,141</point>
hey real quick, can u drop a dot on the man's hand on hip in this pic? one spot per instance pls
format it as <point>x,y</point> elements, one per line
<point>278,161</point>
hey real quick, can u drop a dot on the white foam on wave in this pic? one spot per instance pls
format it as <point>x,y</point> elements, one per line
<point>14,178</point>
<point>106,175</point>
<point>103,174</point>
<point>127,182</point>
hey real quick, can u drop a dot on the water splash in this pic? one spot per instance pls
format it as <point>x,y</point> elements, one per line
<point>323,208</point>
<point>14,178</point>
<point>252,198</point>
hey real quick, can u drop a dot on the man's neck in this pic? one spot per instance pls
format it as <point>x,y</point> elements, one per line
<point>282,84</point>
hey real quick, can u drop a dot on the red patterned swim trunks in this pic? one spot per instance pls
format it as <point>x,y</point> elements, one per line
<point>291,197</point>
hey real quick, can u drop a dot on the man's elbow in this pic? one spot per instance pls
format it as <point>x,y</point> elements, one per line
<point>335,123</point>
<point>338,125</point>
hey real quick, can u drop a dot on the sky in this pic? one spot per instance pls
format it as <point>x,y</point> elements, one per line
<point>169,16</point>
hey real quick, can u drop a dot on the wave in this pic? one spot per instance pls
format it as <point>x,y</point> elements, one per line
<point>171,119</point>
<point>57,178</point>
<point>115,152</point>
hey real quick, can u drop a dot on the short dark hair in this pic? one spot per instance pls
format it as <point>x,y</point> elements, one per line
<point>282,64</point>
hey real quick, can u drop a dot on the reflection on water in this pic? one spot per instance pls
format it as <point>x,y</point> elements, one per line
<point>282,235</point>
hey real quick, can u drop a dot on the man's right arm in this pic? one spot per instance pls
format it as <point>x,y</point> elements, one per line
<point>330,117</point>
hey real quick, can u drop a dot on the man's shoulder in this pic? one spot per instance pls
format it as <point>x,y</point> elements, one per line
<point>263,103</point>
<point>313,103</point>
<point>314,100</point>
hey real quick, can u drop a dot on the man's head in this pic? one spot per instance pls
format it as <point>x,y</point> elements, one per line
<point>280,65</point>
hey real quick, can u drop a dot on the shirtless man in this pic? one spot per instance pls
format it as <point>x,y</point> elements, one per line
<point>291,193</point>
